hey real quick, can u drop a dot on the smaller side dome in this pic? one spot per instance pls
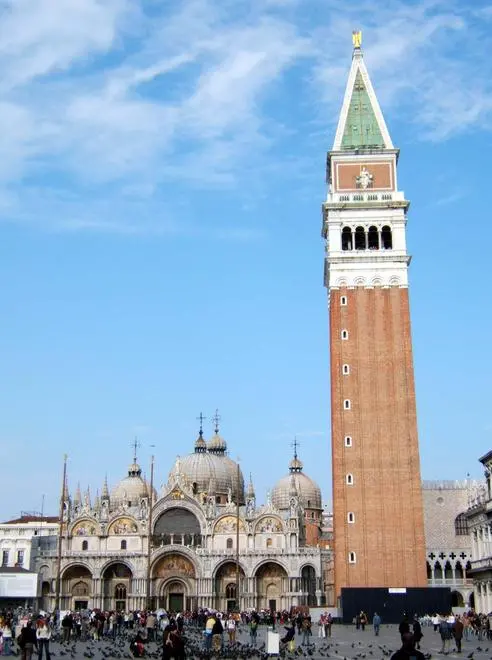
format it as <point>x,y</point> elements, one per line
<point>217,444</point>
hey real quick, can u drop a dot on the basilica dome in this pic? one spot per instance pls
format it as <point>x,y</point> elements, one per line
<point>130,490</point>
<point>308,490</point>
<point>210,469</point>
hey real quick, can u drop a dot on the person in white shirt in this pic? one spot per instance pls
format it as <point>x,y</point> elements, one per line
<point>43,635</point>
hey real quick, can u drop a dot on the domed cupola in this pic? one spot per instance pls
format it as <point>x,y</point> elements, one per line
<point>216,444</point>
<point>296,483</point>
<point>200,444</point>
<point>212,463</point>
<point>132,489</point>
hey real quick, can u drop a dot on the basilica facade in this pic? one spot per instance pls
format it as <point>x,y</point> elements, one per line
<point>177,549</point>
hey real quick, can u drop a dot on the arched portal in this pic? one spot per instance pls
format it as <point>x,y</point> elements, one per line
<point>308,586</point>
<point>174,579</point>
<point>271,585</point>
<point>174,595</point>
<point>457,599</point>
<point>225,587</point>
<point>177,527</point>
<point>76,587</point>
<point>116,583</point>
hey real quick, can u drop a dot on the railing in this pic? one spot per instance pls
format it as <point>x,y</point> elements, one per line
<point>446,582</point>
<point>365,196</point>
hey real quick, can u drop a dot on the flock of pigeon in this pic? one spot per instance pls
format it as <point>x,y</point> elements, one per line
<point>119,649</point>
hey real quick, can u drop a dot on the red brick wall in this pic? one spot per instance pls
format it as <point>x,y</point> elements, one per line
<point>388,533</point>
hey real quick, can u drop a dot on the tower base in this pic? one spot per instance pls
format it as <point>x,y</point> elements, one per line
<point>393,604</point>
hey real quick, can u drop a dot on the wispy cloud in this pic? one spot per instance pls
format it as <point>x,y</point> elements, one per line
<point>112,108</point>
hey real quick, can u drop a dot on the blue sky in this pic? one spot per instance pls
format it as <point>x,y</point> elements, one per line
<point>161,177</point>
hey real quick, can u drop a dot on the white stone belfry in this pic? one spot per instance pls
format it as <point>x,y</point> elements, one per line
<point>364,216</point>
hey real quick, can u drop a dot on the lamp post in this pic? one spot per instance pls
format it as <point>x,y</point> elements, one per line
<point>149,550</point>
<point>238,607</point>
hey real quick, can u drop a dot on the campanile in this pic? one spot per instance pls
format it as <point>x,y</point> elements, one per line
<point>377,501</point>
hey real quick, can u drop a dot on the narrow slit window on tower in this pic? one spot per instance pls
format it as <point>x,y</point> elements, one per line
<point>373,238</point>
<point>346,238</point>
<point>386,238</point>
<point>349,479</point>
<point>85,545</point>
<point>344,335</point>
<point>348,441</point>
<point>343,301</point>
<point>360,238</point>
<point>123,545</point>
<point>345,369</point>
<point>346,404</point>
<point>351,517</point>
<point>352,558</point>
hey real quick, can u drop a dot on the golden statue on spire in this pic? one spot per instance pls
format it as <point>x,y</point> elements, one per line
<point>357,38</point>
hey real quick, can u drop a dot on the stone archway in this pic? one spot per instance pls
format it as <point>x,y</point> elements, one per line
<point>271,586</point>
<point>308,586</point>
<point>116,586</point>
<point>174,595</point>
<point>76,587</point>
<point>225,586</point>
<point>174,577</point>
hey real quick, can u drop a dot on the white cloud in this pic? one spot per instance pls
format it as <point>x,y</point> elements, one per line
<point>105,106</point>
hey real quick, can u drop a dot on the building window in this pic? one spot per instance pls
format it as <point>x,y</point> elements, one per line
<point>360,238</point>
<point>386,238</point>
<point>343,301</point>
<point>348,441</point>
<point>123,545</point>
<point>350,517</point>
<point>20,557</point>
<point>5,558</point>
<point>349,479</point>
<point>229,544</point>
<point>346,238</point>
<point>352,558</point>
<point>269,543</point>
<point>373,238</point>
<point>85,545</point>
<point>345,370</point>
<point>346,404</point>
<point>461,525</point>
<point>344,335</point>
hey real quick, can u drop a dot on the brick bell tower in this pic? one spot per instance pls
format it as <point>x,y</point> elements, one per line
<point>377,500</point>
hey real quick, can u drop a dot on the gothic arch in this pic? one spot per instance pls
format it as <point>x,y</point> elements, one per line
<point>117,560</point>
<point>76,564</point>
<point>223,562</point>
<point>269,560</point>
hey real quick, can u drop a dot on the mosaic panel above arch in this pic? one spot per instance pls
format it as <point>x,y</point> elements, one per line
<point>123,526</point>
<point>85,527</point>
<point>227,524</point>
<point>174,565</point>
<point>269,524</point>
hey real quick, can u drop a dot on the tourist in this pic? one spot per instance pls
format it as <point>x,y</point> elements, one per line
<point>43,635</point>
<point>321,626</point>
<point>417,631</point>
<point>408,649</point>
<point>404,626</point>
<point>253,628</point>
<point>328,624</point>
<point>445,632</point>
<point>231,629</point>
<point>458,633</point>
<point>7,638</point>
<point>376,622</point>
<point>435,622</point>
<point>28,641</point>
<point>217,634</point>
<point>363,620</point>
<point>306,630</point>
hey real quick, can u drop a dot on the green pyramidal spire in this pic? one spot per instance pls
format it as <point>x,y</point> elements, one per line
<point>361,123</point>
<point>361,128</point>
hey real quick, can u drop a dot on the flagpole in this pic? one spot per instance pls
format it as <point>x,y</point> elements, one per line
<point>60,534</point>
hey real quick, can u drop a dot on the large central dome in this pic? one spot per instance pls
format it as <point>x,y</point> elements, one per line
<point>208,470</point>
